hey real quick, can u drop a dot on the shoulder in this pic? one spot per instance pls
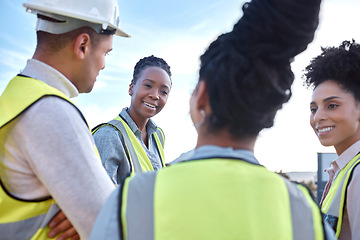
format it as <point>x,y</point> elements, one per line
<point>299,191</point>
<point>356,170</point>
<point>108,137</point>
<point>160,130</point>
<point>354,180</point>
<point>106,130</point>
<point>53,109</point>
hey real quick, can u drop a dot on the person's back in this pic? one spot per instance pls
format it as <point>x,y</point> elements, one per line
<point>47,153</point>
<point>207,197</point>
<point>218,198</point>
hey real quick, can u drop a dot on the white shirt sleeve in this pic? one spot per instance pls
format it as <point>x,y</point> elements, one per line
<point>59,149</point>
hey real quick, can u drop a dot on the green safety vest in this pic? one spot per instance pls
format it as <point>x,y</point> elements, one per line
<point>24,219</point>
<point>334,203</point>
<point>216,199</point>
<point>139,161</point>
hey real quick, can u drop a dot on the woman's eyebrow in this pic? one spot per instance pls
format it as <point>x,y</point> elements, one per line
<point>327,99</point>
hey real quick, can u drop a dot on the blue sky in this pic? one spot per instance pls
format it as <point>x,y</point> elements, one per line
<point>179,32</point>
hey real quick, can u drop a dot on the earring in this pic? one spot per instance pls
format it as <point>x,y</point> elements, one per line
<point>202,120</point>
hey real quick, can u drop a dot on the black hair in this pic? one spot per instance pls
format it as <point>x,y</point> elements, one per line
<point>57,42</point>
<point>150,61</point>
<point>340,64</point>
<point>247,71</point>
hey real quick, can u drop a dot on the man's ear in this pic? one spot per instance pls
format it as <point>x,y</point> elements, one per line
<point>81,45</point>
<point>202,100</point>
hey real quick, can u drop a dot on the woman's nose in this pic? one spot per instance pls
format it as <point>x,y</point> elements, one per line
<point>155,94</point>
<point>319,115</point>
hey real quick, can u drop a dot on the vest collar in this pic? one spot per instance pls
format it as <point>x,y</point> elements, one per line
<point>43,72</point>
<point>211,151</point>
<point>150,126</point>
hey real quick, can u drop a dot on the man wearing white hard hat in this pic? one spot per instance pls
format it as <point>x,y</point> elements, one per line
<point>48,159</point>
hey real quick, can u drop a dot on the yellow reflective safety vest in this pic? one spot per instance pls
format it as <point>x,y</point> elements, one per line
<point>216,199</point>
<point>24,219</point>
<point>333,205</point>
<point>139,161</point>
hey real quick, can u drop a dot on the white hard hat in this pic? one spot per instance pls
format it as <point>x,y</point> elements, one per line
<point>102,15</point>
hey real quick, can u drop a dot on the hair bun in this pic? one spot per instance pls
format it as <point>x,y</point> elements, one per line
<point>275,30</point>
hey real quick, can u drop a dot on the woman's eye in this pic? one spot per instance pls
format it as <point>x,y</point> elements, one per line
<point>332,106</point>
<point>147,85</point>
<point>165,92</point>
<point>313,110</point>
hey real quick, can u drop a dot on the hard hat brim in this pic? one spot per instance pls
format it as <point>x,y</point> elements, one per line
<point>38,8</point>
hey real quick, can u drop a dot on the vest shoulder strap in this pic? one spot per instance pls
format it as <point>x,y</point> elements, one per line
<point>334,202</point>
<point>160,142</point>
<point>161,135</point>
<point>116,126</point>
<point>21,93</point>
<point>142,162</point>
<point>120,125</point>
<point>136,155</point>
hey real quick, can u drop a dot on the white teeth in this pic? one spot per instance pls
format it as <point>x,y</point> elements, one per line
<point>325,129</point>
<point>149,105</point>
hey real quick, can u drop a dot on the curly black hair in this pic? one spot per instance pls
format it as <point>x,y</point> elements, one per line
<point>247,71</point>
<point>340,64</point>
<point>150,61</point>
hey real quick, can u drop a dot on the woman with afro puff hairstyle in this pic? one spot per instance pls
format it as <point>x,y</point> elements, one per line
<point>334,76</point>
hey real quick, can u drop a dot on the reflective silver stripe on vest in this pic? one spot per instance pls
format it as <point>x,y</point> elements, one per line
<point>140,209</point>
<point>335,203</point>
<point>301,214</point>
<point>160,135</point>
<point>27,228</point>
<point>128,145</point>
